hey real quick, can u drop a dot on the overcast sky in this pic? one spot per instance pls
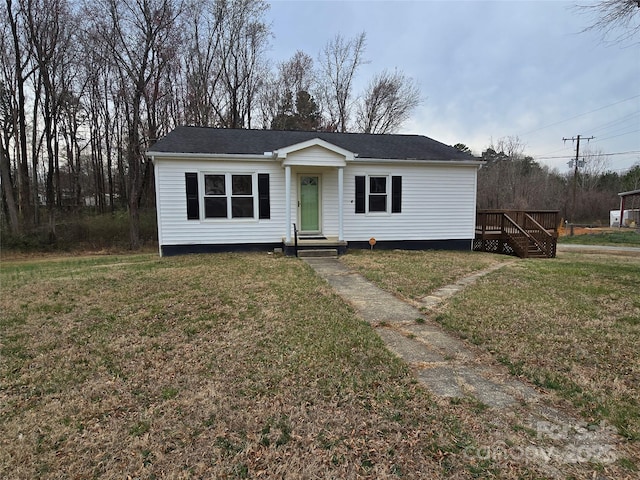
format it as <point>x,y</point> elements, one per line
<point>488,69</point>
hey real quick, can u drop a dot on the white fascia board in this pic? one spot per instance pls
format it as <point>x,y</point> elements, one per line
<point>447,163</point>
<point>208,156</point>
<point>283,152</point>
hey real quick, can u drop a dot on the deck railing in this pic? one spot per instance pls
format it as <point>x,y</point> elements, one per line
<point>525,233</point>
<point>518,237</point>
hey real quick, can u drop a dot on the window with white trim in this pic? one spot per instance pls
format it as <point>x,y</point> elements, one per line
<point>228,195</point>
<point>378,194</point>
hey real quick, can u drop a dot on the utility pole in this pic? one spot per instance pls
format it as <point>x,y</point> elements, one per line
<point>575,171</point>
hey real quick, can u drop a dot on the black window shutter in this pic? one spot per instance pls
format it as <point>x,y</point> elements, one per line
<point>193,203</point>
<point>264,205</point>
<point>396,194</point>
<point>360,194</point>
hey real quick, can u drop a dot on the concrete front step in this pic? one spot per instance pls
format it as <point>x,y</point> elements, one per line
<point>318,252</point>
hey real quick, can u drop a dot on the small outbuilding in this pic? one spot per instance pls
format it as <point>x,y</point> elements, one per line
<point>230,189</point>
<point>628,216</point>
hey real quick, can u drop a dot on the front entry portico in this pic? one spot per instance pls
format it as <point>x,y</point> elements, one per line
<point>310,168</point>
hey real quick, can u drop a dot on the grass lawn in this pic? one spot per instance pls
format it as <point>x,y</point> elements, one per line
<point>614,237</point>
<point>249,366</point>
<point>414,274</point>
<point>219,366</point>
<point>570,325</point>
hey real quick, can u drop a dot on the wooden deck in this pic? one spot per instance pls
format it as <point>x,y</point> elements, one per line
<point>526,234</point>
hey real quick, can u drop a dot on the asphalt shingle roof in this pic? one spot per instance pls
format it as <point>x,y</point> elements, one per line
<point>236,141</point>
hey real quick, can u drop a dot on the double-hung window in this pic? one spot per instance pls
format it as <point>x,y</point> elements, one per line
<point>378,193</point>
<point>242,196</point>
<point>227,195</point>
<point>215,196</point>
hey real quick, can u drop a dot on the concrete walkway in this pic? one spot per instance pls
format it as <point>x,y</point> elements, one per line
<point>442,362</point>
<point>448,367</point>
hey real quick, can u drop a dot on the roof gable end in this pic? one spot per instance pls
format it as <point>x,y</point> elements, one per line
<point>314,152</point>
<point>282,153</point>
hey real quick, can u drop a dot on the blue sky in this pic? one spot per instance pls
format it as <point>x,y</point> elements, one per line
<point>488,69</point>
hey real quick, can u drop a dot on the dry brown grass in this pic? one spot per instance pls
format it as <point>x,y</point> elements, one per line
<point>570,325</point>
<point>414,274</point>
<point>221,366</point>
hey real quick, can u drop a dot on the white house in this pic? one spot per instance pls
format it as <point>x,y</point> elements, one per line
<point>226,189</point>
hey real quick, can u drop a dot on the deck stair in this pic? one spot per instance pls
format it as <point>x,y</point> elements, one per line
<point>526,234</point>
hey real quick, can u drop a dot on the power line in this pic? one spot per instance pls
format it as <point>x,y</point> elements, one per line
<point>580,115</point>
<point>619,135</point>
<point>631,152</point>
<point>614,123</point>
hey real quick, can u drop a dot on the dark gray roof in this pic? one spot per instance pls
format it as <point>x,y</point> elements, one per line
<point>235,141</point>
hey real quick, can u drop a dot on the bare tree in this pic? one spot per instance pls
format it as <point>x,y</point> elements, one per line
<point>616,19</point>
<point>279,90</point>
<point>8,115</point>
<point>21,73</point>
<point>50,33</point>
<point>339,60</point>
<point>593,166</point>
<point>243,39</point>
<point>297,74</point>
<point>387,103</point>
<point>134,34</point>
<point>511,179</point>
<point>95,73</point>
<point>202,63</point>
<point>7,112</point>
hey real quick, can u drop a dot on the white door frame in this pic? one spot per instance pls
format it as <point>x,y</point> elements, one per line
<point>299,209</point>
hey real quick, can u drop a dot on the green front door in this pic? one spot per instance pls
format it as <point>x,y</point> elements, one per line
<point>309,203</point>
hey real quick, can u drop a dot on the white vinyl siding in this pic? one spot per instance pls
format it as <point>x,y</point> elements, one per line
<point>314,156</point>
<point>438,203</point>
<point>175,229</point>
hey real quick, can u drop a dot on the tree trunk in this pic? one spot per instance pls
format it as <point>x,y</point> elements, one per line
<point>24,189</point>
<point>35,151</point>
<point>134,223</point>
<point>133,160</point>
<point>107,142</point>
<point>50,188</point>
<point>7,189</point>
